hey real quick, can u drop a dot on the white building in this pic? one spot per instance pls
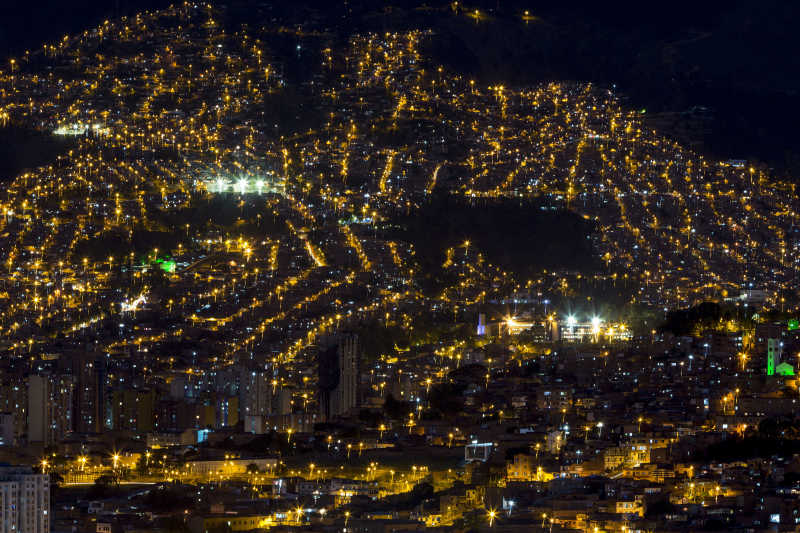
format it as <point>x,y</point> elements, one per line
<point>24,500</point>
<point>478,451</point>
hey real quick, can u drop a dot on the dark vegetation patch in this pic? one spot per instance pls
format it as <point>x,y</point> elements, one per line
<point>22,149</point>
<point>520,237</point>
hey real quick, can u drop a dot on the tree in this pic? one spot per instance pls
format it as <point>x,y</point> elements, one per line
<point>396,409</point>
<point>446,398</point>
<point>102,488</point>
<point>142,466</point>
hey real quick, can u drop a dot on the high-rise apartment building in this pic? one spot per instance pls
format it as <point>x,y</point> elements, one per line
<point>14,402</point>
<point>24,500</point>
<point>50,401</point>
<point>89,399</point>
<point>255,393</point>
<point>338,376</point>
<point>133,410</point>
<point>7,437</point>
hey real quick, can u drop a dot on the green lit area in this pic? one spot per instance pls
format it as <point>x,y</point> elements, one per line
<point>773,355</point>
<point>793,324</point>
<point>167,265</point>
<point>784,369</point>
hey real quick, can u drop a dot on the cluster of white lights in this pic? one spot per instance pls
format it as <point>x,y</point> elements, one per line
<point>596,322</point>
<point>80,129</point>
<point>240,185</point>
<point>133,305</point>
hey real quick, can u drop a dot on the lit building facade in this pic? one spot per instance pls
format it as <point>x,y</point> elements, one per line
<point>24,501</point>
<point>50,403</point>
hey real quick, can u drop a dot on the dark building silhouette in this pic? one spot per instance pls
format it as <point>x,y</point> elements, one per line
<point>338,366</point>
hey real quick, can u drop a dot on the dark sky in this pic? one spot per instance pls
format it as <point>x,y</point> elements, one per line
<point>27,24</point>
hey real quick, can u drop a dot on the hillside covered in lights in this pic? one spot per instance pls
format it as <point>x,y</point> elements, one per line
<point>279,174</point>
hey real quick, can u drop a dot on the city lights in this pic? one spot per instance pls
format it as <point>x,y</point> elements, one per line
<point>281,275</point>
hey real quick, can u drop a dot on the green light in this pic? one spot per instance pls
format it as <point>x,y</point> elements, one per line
<point>166,265</point>
<point>773,356</point>
<point>793,324</point>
